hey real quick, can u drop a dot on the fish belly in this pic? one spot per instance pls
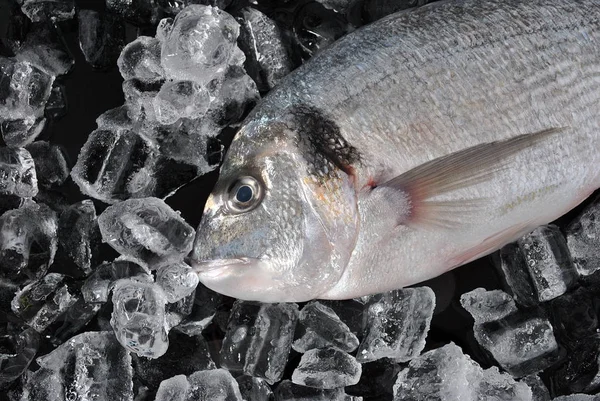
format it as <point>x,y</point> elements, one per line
<point>419,86</point>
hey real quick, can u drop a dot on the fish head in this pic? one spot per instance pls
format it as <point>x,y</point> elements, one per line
<point>273,230</point>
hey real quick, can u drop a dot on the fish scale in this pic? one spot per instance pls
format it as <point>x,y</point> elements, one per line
<point>515,83</point>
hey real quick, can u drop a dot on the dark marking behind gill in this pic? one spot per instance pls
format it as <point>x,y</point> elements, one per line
<point>321,142</point>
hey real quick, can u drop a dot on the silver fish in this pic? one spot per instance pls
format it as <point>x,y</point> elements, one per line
<point>410,147</point>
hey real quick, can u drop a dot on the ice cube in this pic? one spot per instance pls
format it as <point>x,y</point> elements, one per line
<point>18,346</point>
<point>178,280</point>
<point>575,316</point>
<point>487,306</point>
<point>56,106</point>
<point>449,375</point>
<point>328,368</point>
<point>323,328</point>
<point>397,324</point>
<point>259,338</point>
<point>139,99</point>
<point>580,371</point>
<point>138,12</point>
<point>139,318</point>
<point>42,301</point>
<point>180,99</point>
<point>140,59</point>
<point>315,27</point>
<point>22,131</point>
<point>24,91</point>
<point>90,366</point>
<point>288,391</point>
<point>263,42</point>
<point>206,303</point>
<point>48,10</point>
<point>17,173</point>
<point>549,270</point>
<point>99,284</point>
<point>538,388</point>
<point>522,342</point>
<point>114,165</point>
<point>583,239</point>
<point>79,237</point>
<point>376,380</point>
<point>50,165</point>
<point>28,240</point>
<point>213,385</point>
<point>186,356</point>
<point>199,45</point>
<point>101,37</point>
<point>71,321</point>
<point>44,48</point>
<point>351,312</point>
<point>235,96</point>
<point>254,389</point>
<point>147,230</point>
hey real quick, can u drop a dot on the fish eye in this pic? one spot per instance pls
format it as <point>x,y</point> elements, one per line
<point>244,195</point>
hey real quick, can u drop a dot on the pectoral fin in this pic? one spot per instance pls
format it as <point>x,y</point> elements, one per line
<point>416,189</point>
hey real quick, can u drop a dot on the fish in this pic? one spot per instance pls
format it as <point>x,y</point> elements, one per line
<point>407,148</point>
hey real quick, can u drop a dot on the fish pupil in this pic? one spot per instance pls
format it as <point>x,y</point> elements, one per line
<point>244,194</point>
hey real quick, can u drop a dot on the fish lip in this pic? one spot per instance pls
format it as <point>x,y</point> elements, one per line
<point>216,267</point>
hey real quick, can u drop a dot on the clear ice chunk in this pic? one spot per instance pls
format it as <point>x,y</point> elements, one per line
<point>139,99</point>
<point>397,325</point>
<point>147,230</point>
<point>71,321</point>
<point>288,391</point>
<point>580,371</point>
<point>98,285</point>
<point>522,341</point>
<point>180,99</point>
<point>254,389</point>
<point>351,312</point>
<point>42,302</point>
<point>140,59</point>
<point>204,309</point>
<point>376,381</point>
<point>263,43</point>
<point>539,264</point>
<point>487,306</point>
<point>139,318</point>
<point>583,239</point>
<point>213,385</point>
<point>90,366</point>
<point>115,164</point>
<point>56,106</point>
<point>48,10</point>
<point>25,89</point>
<point>178,280</point>
<point>236,95</point>
<point>101,37</point>
<point>259,338</point>
<point>17,173</point>
<point>322,328</point>
<point>446,374</point>
<point>43,47</point>
<point>79,237</point>
<point>18,346</point>
<point>21,132</point>
<point>50,165</point>
<point>327,368</point>
<point>186,356</point>
<point>199,45</point>
<point>575,316</point>
<point>28,240</point>
<point>316,27</point>
<point>539,390</point>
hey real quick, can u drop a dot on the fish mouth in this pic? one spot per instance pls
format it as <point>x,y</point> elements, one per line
<point>218,267</point>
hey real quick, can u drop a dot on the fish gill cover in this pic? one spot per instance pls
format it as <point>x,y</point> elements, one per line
<point>98,302</point>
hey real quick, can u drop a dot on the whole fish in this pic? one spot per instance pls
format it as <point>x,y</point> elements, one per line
<point>410,147</point>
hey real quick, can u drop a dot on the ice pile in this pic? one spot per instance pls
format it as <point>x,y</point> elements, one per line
<point>181,89</point>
